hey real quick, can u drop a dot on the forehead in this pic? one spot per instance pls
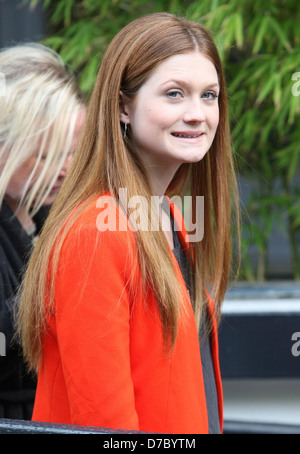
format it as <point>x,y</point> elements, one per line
<point>188,67</point>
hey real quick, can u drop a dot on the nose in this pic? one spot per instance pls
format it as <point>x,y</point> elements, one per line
<point>195,112</point>
<point>66,164</point>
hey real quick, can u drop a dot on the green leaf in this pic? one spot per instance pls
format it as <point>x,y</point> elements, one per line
<point>277,93</point>
<point>239,35</point>
<point>260,35</point>
<point>280,34</point>
<point>267,86</point>
<point>68,12</point>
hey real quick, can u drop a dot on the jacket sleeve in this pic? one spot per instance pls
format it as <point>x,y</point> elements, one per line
<point>93,327</point>
<point>8,345</point>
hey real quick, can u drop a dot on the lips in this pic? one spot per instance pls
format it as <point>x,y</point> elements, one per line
<point>56,188</point>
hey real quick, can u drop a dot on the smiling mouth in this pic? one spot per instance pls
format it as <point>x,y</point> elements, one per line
<point>186,136</point>
<point>55,188</point>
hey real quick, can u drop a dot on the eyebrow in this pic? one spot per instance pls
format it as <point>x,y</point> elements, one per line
<point>187,84</point>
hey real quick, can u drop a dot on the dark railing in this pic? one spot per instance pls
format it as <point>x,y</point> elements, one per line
<point>247,427</point>
<point>17,426</point>
<point>14,426</point>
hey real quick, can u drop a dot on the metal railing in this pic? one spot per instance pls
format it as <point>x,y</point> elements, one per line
<point>18,426</point>
<point>14,426</point>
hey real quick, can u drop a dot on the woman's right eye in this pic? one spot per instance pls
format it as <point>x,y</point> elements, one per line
<point>174,94</point>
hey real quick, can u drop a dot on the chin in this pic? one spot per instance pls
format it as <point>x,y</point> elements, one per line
<point>193,159</point>
<point>49,200</point>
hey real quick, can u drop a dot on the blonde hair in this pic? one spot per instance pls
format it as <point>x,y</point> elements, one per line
<point>105,161</point>
<point>37,115</point>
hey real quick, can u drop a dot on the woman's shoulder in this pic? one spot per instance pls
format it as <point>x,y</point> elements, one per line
<point>98,220</point>
<point>101,213</point>
<point>93,243</point>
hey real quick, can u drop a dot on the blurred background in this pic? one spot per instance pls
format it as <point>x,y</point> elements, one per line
<point>259,43</point>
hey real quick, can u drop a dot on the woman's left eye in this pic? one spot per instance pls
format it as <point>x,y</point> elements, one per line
<point>209,95</point>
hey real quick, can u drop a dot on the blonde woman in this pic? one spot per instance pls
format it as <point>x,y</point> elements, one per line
<point>113,298</point>
<point>41,115</point>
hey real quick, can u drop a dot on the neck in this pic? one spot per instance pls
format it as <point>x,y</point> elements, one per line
<point>161,178</point>
<point>160,181</point>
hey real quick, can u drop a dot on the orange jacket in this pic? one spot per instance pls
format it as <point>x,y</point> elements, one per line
<point>102,363</point>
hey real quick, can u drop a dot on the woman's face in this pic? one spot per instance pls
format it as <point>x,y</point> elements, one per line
<point>175,114</point>
<point>20,177</point>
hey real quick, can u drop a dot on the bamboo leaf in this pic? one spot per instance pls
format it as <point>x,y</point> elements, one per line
<point>280,34</point>
<point>239,36</point>
<point>68,12</point>
<point>266,88</point>
<point>277,92</point>
<point>260,35</point>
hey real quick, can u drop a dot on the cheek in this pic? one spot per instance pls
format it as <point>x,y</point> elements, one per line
<point>213,121</point>
<point>216,118</point>
<point>156,116</point>
<point>22,175</point>
<point>164,116</point>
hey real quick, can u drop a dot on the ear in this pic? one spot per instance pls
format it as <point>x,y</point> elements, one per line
<point>123,108</point>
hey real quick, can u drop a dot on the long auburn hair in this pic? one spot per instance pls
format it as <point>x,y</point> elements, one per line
<point>105,161</point>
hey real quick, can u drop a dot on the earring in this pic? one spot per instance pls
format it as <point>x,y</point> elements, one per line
<point>125,130</point>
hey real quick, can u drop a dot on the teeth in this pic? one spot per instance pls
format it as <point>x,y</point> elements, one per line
<point>186,136</point>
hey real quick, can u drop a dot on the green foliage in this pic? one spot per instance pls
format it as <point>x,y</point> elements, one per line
<point>80,30</point>
<point>260,46</point>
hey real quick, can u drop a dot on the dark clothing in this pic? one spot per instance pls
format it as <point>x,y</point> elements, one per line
<point>17,388</point>
<point>205,347</point>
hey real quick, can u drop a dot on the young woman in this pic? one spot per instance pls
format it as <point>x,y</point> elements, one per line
<point>111,303</point>
<point>41,115</point>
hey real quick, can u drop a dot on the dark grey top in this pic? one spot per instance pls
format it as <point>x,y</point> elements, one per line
<point>205,347</point>
<point>17,388</point>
